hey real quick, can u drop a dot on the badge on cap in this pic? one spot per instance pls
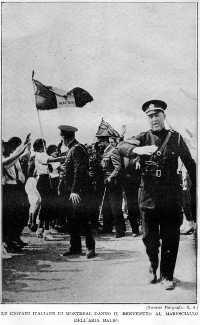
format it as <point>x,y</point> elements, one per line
<point>154,105</point>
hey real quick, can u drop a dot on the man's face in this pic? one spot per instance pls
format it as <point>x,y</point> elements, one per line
<point>112,142</point>
<point>157,120</point>
<point>67,138</point>
<point>102,145</point>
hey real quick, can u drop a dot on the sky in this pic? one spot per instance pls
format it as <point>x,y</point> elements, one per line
<point>122,53</point>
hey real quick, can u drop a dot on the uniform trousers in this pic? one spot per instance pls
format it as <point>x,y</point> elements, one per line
<point>114,196</point>
<point>131,191</point>
<point>162,224</point>
<point>78,223</point>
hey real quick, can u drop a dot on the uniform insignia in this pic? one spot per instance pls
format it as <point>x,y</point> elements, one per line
<point>152,106</point>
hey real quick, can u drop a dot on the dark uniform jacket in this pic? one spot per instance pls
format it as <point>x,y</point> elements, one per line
<point>75,178</point>
<point>164,191</point>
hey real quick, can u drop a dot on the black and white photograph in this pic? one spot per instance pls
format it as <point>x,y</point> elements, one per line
<point>99,142</point>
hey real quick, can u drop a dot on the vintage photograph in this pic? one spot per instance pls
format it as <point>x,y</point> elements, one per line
<point>99,153</point>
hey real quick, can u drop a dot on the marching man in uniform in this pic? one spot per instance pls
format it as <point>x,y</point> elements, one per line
<point>74,190</point>
<point>159,195</point>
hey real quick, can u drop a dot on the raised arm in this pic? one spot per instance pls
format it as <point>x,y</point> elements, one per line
<point>9,161</point>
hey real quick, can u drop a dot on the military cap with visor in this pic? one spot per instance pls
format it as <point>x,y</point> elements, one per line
<point>154,105</point>
<point>67,129</point>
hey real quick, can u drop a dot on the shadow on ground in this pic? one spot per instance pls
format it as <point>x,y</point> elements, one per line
<point>36,259</point>
<point>186,285</point>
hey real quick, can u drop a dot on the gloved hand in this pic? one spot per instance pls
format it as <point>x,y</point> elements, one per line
<point>146,150</point>
<point>76,199</point>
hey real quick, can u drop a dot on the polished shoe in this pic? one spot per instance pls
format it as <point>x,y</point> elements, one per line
<point>168,284</point>
<point>90,253</point>
<point>72,252</point>
<point>119,235</point>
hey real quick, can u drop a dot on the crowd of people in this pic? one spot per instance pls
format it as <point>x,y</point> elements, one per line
<point>90,189</point>
<point>31,191</point>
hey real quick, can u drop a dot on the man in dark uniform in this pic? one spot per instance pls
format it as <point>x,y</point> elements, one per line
<point>160,192</point>
<point>74,189</point>
<point>131,183</point>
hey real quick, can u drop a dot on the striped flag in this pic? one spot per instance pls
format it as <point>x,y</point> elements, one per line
<point>48,97</point>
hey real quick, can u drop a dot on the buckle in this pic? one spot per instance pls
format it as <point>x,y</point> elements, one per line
<point>158,173</point>
<point>158,153</point>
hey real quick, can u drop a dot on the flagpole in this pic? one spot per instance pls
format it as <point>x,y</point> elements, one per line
<point>38,116</point>
<point>41,130</point>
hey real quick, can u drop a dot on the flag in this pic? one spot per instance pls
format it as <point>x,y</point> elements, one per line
<point>105,129</point>
<point>48,97</point>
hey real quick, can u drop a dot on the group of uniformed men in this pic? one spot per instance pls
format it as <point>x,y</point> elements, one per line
<point>145,169</point>
<point>156,154</point>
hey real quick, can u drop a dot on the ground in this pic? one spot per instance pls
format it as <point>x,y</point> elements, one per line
<point>118,274</point>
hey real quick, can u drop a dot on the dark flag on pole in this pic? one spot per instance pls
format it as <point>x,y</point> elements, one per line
<point>47,97</point>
